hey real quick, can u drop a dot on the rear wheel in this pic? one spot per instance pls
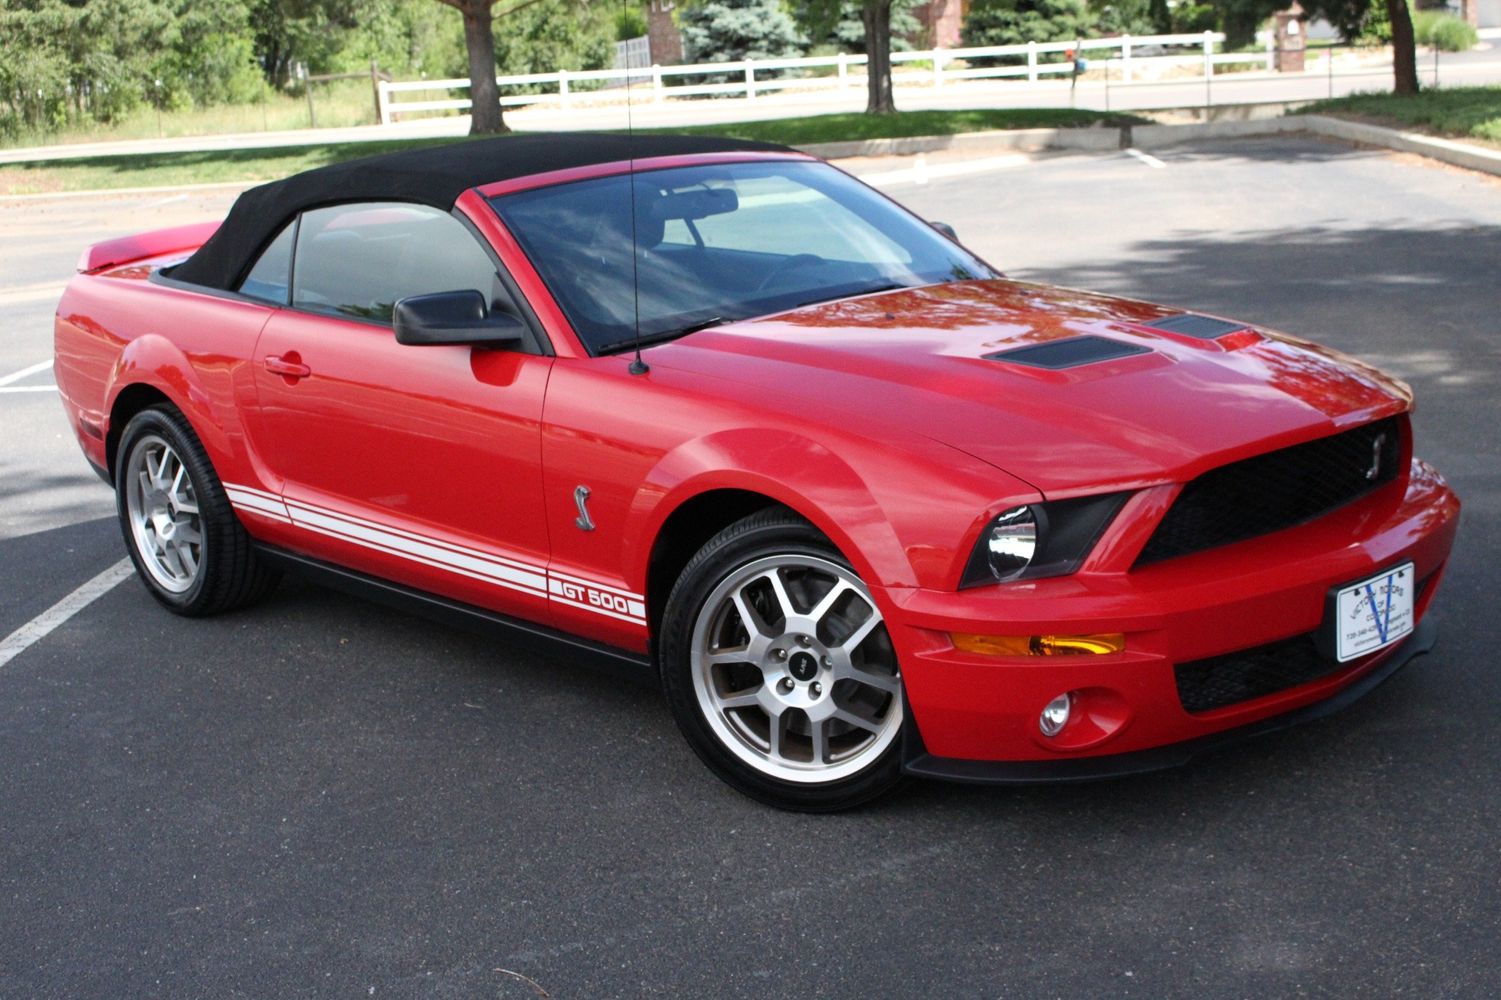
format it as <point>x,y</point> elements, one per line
<point>182,534</point>
<point>779,669</point>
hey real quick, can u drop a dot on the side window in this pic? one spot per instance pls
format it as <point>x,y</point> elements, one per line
<point>271,277</point>
<point>360,260</point>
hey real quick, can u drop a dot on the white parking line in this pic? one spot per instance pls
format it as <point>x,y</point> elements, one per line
<point>923,172</point>
<point>27,388</point>
<point>1146,158</point>
<point>43,624</point>
<point>40,366</point>
<point>32,293</point>
<point>165,201</point>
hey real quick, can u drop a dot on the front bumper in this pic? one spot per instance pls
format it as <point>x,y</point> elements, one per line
<point>916,760</point>
<point>974,718</point>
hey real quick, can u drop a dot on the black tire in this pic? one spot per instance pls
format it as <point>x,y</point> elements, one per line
<point>227,573</point>
<point>769,535</point>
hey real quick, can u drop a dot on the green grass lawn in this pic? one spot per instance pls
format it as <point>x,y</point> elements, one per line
<point>1457,112</point>
<point>178,168</point>
<point>337,104</point>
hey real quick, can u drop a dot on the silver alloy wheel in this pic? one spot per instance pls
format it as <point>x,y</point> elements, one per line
<point>794,670</point>
<point>163,513</point>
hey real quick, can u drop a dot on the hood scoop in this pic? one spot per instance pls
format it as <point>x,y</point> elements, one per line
<point>1071,352</point>
<point>1195,326</point>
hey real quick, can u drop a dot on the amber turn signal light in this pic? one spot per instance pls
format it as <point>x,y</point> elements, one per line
<point>1039,645</point>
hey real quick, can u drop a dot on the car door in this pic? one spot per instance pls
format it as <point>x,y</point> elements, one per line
<point>419,464</point>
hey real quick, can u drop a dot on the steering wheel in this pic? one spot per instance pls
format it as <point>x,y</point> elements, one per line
<point>785,265</point>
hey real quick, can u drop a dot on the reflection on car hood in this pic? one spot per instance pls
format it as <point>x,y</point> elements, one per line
<point>924,359</point>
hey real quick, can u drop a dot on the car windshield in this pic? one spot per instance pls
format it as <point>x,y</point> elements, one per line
<point>717,243</point>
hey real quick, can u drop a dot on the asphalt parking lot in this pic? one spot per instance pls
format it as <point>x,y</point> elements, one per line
<point>318,797</point>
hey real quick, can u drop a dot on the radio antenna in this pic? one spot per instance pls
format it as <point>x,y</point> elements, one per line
<point>638,367</point>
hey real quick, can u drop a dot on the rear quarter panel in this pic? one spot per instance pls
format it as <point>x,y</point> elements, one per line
<point>116,329</point>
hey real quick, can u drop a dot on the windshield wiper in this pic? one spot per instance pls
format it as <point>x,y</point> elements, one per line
<point>870,290</point>
<point>657,338</point>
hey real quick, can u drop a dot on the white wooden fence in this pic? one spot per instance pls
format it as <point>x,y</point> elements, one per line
<point>1125,56</point>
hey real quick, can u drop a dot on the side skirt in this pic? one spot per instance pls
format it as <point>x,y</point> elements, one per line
<point>537,638</point>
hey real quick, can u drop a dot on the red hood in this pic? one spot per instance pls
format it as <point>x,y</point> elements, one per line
<point>916,359</point>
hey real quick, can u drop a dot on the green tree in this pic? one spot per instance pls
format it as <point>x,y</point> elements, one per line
<point>549,36</point>
<point>849,31</point>
<point>819,17</point>
<point>35,63</point>
<point>311,32</point>
<point>731,30</point>
<point>1239,20</point>
<point>1161,17</point>
<point>1124,17</point>
<point>1016,22</point>
<point>212,57</point>
<point>479,42</point>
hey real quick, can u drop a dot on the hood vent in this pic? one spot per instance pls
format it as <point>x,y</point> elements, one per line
<point>1193,325</point>
<point>1072,352</point>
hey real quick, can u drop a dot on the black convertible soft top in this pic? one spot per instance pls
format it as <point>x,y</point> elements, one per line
<point>434,176</point>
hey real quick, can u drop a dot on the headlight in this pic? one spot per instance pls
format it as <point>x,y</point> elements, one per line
<point>1011,542</point>
<point>1052,538</point>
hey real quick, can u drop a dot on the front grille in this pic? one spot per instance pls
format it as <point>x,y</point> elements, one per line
<point>1204,685</point>
<point>1277,490</point>
<point>1252,673</point>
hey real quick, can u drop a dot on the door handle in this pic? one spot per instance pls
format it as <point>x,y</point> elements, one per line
<point>290,366</point>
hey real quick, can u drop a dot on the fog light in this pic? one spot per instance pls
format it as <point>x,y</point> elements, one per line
<point>1055,715</point>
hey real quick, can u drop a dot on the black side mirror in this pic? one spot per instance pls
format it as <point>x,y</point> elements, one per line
<point>454,318</point>
<point>945,229</point>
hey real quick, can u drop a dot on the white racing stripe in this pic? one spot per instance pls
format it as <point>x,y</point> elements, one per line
<point>475,564</point>
<point>261,503</point>
<point>45,623</point>
<point>469,563</point>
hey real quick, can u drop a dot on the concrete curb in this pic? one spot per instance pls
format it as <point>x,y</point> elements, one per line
<point>1459,154</point>
<point>1021,140</point>
<point>1159,136</point>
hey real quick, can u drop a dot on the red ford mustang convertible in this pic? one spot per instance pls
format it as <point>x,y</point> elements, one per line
<point>719,413</point>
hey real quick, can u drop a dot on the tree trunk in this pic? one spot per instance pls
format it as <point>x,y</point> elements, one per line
<point>1404,49</point>
<point>479,39</point>
<point>876,15</point>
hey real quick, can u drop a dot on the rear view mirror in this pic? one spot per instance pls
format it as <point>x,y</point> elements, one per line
<point>454,318</point>
<point>694,203</point>
<point>945,229</point>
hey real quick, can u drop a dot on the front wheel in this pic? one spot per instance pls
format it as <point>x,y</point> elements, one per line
<point>779,670</point>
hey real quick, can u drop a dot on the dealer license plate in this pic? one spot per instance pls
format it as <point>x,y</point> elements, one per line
<point>1374,613</point>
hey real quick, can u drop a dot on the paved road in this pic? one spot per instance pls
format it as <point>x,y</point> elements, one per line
<point>1480,66</point>
<point>321,798</point>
